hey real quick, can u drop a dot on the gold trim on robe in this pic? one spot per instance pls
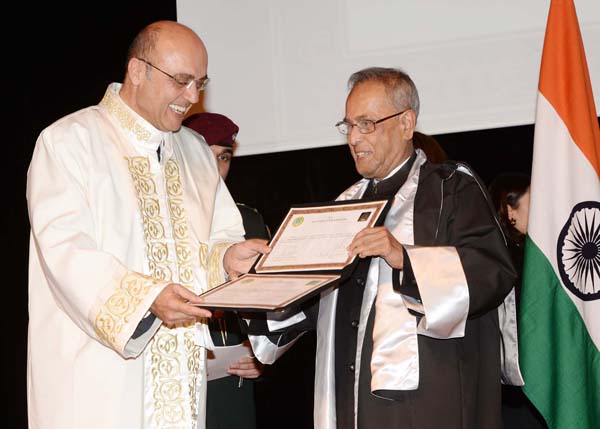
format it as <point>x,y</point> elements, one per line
<point>216,275</point>
<point>116,311</point>
<point>174,358</point>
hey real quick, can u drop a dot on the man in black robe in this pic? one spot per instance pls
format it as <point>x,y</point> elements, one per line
<point>411,339</point>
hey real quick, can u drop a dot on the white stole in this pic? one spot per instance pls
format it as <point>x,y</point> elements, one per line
<point>390,371</point>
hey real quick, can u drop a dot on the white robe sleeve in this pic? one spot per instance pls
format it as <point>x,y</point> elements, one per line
<point>444,291</point>
<point>92,287</point>
<point>226,230</point>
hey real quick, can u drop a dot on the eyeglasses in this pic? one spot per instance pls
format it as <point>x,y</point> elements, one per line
<point>183,81</point>
<point>365,126</point>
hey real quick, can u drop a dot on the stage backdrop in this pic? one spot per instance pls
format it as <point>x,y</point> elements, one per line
<point>280,68</point>
<point>79,49</point>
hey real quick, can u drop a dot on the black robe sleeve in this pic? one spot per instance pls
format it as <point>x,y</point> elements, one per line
<point>464,220</point>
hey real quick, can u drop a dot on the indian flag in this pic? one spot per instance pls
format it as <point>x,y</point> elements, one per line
<point>560,304</point>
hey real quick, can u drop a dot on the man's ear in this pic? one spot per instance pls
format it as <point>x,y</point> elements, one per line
<point>135,70</point>
<point>408,122</point>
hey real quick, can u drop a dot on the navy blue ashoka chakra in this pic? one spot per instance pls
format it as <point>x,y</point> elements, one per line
<point>578,251</point>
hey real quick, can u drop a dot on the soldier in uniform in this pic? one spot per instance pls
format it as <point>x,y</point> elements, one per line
<point>230,400</point>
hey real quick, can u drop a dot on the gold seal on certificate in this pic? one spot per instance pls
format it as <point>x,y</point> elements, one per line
<point>308,253</point>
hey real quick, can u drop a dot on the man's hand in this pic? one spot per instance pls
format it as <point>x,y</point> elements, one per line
<point>246,367</point>
<point>380,242</point>
<point>174,305</point>
<point>239,258</point>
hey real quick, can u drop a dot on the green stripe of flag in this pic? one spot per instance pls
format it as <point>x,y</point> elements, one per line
<point>556,347</point>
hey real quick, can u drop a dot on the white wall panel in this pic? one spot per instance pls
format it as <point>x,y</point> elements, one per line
<point>279,68</point>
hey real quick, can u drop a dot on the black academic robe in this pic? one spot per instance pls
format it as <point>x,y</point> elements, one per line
<point>459,384</point>
<point>459,378</point>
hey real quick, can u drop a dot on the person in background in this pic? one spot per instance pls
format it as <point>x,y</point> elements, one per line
<point>220,133</point>
<point>510,196</point>
<point>130,221</point>
<point>230,400</point>
<point>411,339</point>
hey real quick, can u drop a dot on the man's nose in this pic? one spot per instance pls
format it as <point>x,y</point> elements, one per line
<point>192,94</point>
<point>354,136</point>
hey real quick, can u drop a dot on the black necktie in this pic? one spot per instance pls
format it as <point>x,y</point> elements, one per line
<point>371,190</point>
<point>386,188</point>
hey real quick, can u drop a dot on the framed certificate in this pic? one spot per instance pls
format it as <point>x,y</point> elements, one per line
<point>270,292</point>
<point>308,254</point>
<point>315,238</point>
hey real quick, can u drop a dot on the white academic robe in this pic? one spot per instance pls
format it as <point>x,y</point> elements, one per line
<point>111,226</point>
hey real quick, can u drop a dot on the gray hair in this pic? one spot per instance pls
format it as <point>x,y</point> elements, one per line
<point>399,85</point>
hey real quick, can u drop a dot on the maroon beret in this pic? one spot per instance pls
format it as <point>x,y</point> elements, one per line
<point>215,128</point>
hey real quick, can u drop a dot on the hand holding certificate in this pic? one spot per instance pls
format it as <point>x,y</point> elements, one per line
<point>311,246</point>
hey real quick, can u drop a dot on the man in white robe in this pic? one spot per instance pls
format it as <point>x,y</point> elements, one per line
<point>130,220</point>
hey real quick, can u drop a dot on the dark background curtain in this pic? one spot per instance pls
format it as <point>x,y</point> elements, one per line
<point>75,53</point>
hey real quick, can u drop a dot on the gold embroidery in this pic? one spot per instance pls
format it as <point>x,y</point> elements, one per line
<point>159,252</point>
<point>154,231</point>
<point>124,116</point>
<point>186,274</point>
<point>184,261</point>
<point>117,309</point>
<point>186,271</point>
<point>176,211</point>
<point>180,231</point>
<point>179,222</point>
<point>193,362</point>
<point>168,393</point>
<point>160,272</point>
<point>215,272</point>
<point>203,255</point>
<point>183,253</point>
<point>175,372</point>
<point>151,206</point>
